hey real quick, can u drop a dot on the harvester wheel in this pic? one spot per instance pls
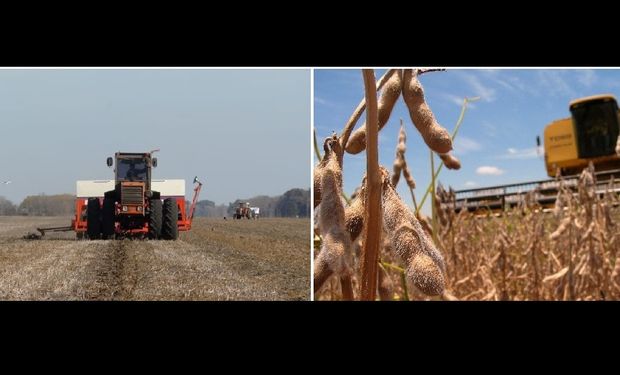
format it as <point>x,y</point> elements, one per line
<point>170,228</point>
<point>107,225</point>
<point>155,220</point>
<point>93,219</point>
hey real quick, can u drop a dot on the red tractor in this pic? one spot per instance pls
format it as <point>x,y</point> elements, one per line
<point>133,205</point>
<point>243,210</point>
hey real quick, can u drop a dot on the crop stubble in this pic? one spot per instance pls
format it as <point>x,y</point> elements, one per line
<point>266,259</point>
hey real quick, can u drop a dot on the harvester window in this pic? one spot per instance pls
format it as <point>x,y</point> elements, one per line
<point>131,170</point>
<point>596,128</point>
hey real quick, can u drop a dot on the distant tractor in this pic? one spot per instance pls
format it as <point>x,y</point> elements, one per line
<point>133,205</point>
<point>243,210</point>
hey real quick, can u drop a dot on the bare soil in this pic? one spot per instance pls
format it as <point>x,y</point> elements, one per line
<point>265,259</point>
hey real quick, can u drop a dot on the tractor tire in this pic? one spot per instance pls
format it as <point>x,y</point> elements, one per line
<point>108,218</point>
<point>93,219</point>
<point>170,225</point>
<point>79,235</point>
<point>155,219</point>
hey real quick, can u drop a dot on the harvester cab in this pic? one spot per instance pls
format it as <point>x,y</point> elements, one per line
<point>589,135</point>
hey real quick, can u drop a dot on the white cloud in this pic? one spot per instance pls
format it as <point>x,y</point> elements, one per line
<point>491,130</point>
<point>553,81</point>
<point>509,82</point>
<point>517,83</point>
<point>489,171</point>
<point>484,92</point>
<point>524,153</point>
<point>463,145</point>
<point>505,84</point>
<point>587,77</point>
<point>470,184</point>
<point>320,100</point>
<point>457,100</point>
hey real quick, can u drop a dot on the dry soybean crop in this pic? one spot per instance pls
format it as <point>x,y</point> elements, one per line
<point>375,246</point>
<point>266,259</point>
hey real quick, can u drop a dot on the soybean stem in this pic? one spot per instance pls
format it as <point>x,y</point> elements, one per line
<point>433,205</point>
<point>348,128</point>
<point>316,147</point>
<point>370,253</point>
<point>454,133</point>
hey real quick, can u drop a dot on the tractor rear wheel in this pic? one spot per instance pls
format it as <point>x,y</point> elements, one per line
<point>155,221</point>
<point>93,219</point>
<point>170,225</point>
<point>107,225</point>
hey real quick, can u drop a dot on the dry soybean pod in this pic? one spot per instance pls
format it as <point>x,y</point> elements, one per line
<point>354,215</point>
<point>389,95</point>
<point>348,128</point>
<point>320,167</point>
<point>335,248</point>
<point>436,136</point>
<point>408,176</point>
<point>450,161</point>
<point>399,161</point>
<point>425,265</point>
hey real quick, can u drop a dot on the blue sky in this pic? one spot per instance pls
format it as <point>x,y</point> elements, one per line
<point>243,132</point>
<point>497,140</point>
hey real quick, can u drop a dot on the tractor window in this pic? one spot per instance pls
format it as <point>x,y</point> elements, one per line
<point>131,170</point>
<point>596,128</point>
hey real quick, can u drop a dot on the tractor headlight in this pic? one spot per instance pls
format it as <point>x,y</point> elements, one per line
<point>124,208</point>
<point>139,208</point>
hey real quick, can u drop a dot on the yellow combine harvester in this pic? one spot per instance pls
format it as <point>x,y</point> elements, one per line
<point>590,134</point>
<point>570,144</point>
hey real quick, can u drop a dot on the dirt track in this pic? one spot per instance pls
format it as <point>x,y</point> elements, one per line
<point>266,259</point>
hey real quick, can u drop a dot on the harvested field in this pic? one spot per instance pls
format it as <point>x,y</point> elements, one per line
<point>266,259</point>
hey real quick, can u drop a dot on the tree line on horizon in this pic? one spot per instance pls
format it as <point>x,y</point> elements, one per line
<point>293,203</point>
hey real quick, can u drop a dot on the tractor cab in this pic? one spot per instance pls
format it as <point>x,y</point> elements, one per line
<point>133,167</point>
<point>132,182</point>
